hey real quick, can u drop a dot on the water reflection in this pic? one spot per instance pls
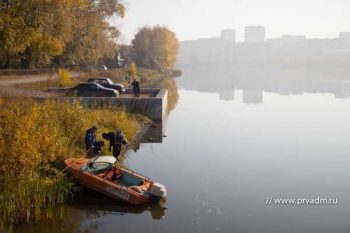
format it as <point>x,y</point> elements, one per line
<point>154,133</point>
<point>222,159</point>
<point>255,80</point>
<point>61,220</point>
<point>96,206</point>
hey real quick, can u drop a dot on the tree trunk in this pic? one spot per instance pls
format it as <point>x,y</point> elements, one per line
<point>6,65</point>
<point>25,60</point>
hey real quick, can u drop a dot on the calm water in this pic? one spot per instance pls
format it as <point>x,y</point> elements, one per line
<point>227,150</point>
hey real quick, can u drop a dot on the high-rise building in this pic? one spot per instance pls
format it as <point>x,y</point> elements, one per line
<point>254,34</point>
<point>229,35</point>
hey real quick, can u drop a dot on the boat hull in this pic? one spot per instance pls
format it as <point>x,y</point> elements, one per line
<point>103,183</point>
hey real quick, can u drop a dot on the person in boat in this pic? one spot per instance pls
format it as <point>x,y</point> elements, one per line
<point>116,140</point>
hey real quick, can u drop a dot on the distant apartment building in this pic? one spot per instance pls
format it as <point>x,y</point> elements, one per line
<point>229,35</point>
<point>254,34</point>
<point>288,49</point>
<point>291,38</point>
<point>204,50</point>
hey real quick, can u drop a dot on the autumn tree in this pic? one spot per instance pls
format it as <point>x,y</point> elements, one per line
<point>93,38</point>
<point>14,34</point>
<point>33,30</point>
<point>133,70</point>
<point>66,32</point>
<point>155,47</point>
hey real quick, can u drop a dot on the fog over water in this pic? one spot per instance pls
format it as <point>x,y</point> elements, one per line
<point>285,65</point>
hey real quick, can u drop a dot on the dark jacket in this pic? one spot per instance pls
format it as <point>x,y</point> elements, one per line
<point>90,138</point>
<point>115,141</point>
<point>111,138</point>
<point>120,139</point>
<point>135,84</point>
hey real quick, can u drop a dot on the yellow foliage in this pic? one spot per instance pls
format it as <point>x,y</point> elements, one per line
<point>155,47</point>
<point>64,78</point>
<point>133,70</point>
<point>44,30</point>
<point>35,135</point>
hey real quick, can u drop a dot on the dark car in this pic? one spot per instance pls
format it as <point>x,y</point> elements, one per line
<point>106,82</point>
<point>93,90</point>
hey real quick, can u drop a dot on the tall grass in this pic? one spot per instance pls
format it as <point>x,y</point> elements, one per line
<point>64,78</point>
<point>35,136</point>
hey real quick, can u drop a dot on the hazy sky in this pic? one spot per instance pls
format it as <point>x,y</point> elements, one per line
<point>192,19</point>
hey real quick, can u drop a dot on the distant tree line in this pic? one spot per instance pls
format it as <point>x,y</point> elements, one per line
<point>152,47</point>
<point>42,33</point>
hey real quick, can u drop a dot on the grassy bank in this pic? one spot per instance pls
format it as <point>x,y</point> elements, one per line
<point>34,139</point>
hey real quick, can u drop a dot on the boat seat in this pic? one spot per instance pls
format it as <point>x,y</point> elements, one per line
<point>112,174</point>
<point>96,168</point>
<point>117,174</point>
<point>130,180</point>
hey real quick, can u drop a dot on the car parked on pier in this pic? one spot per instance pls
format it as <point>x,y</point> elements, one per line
<point>108,83</point>
<point>92,90</point>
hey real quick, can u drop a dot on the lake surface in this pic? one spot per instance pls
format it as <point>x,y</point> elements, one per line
<point>230,144</point>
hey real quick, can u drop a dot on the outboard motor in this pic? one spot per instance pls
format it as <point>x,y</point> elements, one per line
<point>158,190</point>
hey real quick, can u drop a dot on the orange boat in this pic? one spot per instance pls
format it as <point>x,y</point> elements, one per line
<point>101,175</point>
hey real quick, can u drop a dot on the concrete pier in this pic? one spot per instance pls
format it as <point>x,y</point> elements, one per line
<point>151,103</point>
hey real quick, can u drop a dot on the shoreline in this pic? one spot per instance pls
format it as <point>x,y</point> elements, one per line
<point>145,126</point>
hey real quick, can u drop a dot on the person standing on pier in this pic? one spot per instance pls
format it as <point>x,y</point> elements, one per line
<point>136,87</point>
